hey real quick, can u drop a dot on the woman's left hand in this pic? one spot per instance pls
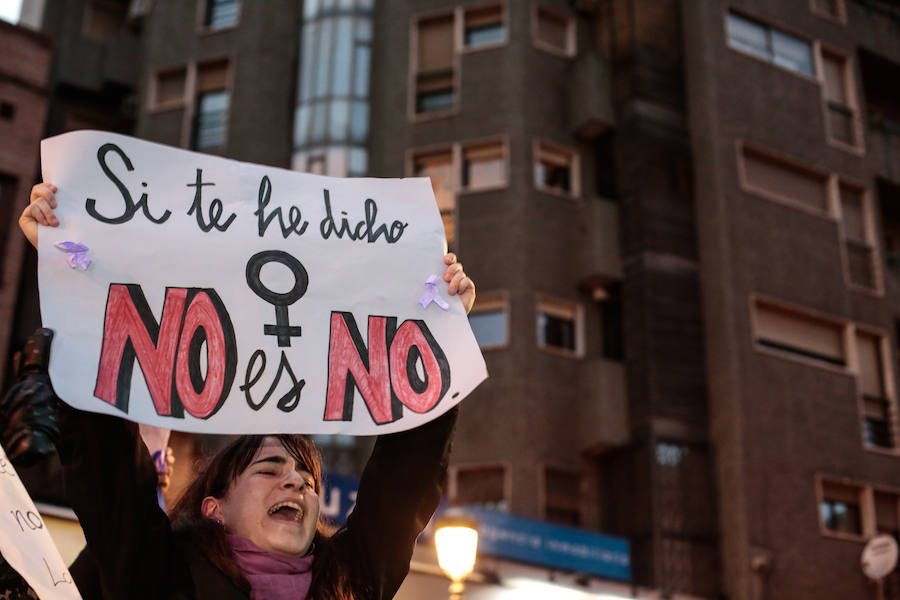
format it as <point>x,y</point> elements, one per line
<point>460,284</point>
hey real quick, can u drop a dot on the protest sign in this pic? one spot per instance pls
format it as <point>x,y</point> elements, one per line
<point>25,543</point>
<point>197,293</point>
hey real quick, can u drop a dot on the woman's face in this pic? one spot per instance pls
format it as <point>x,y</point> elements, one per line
<point>273,503</point>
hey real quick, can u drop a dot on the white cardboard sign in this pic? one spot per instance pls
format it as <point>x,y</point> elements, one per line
<point>227,297</point>
<point>25,543</point>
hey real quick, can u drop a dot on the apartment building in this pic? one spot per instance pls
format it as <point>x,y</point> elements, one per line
<point>682,218</point>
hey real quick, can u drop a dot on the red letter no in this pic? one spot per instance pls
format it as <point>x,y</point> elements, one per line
<point>169,359</point>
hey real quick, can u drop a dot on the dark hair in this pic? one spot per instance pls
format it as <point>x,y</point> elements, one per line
<point>330,581</point>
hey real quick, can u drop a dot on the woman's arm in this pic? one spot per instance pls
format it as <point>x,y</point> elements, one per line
<point>111,484</point>
<point>400,488</point>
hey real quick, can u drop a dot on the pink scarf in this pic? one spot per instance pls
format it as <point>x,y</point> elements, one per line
<point>272,577</point>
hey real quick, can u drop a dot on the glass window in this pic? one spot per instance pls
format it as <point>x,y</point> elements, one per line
<point>799,334</point>
<point>170,87</point>
<point>310,9</point>
<point>840,509</point>
<point>481,486</point>
<point>361,74</point>
<point>876,405</point>
<point>363,30</point>
<point>358,165</point>
<point>841,116</point>
<point>102,19</point>
<point>792,53</point>
<point>319,121</point>
<point>339,120</point>
<point>562,490</point>
<point>769,44</point>
<point>553,168</point>
<point>221,13</point>
<point>483,166</point>
<point>784,180</point>
<point>438,165</point>
<point>301,125</point>
<point>483,26</point>
<point>342,57</point>
<point>488,320</point>
<point>558,326</point>
<point>310,33</point>
<point>435,64</point>
<point>323,58</point>
<point>435,93</point>
<point>359,121</point>
<point>862,267</point>
<point>748,36</point>
<point>212,115</point>
<point>555,30</point>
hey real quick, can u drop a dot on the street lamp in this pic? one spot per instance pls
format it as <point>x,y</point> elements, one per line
<point>456,539</point>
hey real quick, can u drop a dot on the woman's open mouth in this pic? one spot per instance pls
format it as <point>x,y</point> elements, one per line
<point>286,511</point>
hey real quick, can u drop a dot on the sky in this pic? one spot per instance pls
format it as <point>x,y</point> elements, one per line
<point>9,10</point>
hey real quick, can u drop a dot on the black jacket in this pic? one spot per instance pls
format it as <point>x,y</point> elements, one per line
<point>132,552</point>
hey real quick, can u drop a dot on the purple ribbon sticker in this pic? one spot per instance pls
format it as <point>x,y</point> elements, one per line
<point>78,258</point>
<point>432,295</point>
<point>159,459</point>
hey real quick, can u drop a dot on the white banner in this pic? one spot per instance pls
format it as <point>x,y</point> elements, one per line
<point>25,543</point>
<point>203,294</point>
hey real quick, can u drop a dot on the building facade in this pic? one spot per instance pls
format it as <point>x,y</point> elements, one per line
<point>681,217</point>
<point>23,109</point>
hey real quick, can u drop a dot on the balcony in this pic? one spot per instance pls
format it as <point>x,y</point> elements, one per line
<point>603,409</point>
<point>879,76</point>
<point>590,103</point>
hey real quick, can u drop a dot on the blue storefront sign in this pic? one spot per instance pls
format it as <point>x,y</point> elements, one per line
<point>549,545</point>
<point>338,497</point>
<point>513,538</point>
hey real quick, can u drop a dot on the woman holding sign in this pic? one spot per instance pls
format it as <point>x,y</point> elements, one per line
<point>248,526</point>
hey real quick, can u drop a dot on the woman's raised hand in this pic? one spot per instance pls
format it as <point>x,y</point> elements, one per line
<point>459,283</point>
<point>39,211</point>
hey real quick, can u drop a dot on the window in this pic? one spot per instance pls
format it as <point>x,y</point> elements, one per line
<point>799,334</point>
<point>556,169</point>
<point>559,326</point>
<point>220,14</point>
<point>439,167</point>
<point>435,88</point>
<point>464,167</point>
<point>315,164</point>
<point>842,123</point>
<point>841,506</point>
<point>562,496</point>
<point>483,485</point>
<point>858,236</point>
<point>886,521</point>
<point>489,320</point>
<point>102,19</point>
<point>771,45</point>
<point>484,165</point>
<point>553,31</point>
<point>435,64</point>
<point>211,108</point>
<point>331,118</point>
<point>7,111</point>
<point>876,403</point>
<point>483,26</point>
<point>830,9</point>
<point>168,88</point>
<point>783,180</point>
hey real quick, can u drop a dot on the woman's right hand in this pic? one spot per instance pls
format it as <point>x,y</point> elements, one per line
<point>39,211</point>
